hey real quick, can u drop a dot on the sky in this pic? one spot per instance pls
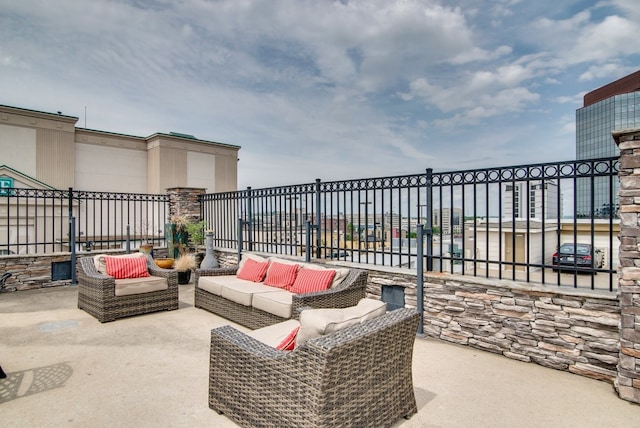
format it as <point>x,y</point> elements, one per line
<point>325,89</point>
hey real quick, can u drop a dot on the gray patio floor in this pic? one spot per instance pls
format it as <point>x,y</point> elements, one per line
<point>68,370</point>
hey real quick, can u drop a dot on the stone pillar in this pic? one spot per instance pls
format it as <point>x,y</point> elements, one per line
<point>628,378</point>
<point>185,201</point>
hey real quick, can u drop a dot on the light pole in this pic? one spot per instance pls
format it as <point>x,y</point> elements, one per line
<point>292,218</point>
<point>366,226</point>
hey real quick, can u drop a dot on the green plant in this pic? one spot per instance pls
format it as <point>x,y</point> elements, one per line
<point>188,233</point>
<point>195,231</point>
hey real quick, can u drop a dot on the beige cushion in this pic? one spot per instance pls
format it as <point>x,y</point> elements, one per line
<point>274,334</point>
<point>213,284</point>
<point>209,284</point>
<point>317,322</point>
<point>285,261</point>
<point>243,293</point>
<point>147,284</point>
<point>341,274</point>
<point>276,302</point>
<point>246,256</point>
<point>101,266</point>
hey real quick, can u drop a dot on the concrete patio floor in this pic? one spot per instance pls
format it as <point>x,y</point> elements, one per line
<point>67,370</point>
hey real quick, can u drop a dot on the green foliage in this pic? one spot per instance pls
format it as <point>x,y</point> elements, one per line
<point>188,230</point>
<point>195,231</point>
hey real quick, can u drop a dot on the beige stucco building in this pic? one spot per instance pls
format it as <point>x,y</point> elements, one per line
<point>39,149</point>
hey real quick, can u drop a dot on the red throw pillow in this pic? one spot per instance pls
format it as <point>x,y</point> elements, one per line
<point>289,342</point>
<point>126,267</point>
<point>310,280</point>
<point>253,270</point>
<point>281,275</point>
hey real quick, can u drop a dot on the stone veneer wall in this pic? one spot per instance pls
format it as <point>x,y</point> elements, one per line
<point>185,201</point>
<point>555,327</point>
<point>628,379</point>
<point>560,328</point>
<point>28,272</point>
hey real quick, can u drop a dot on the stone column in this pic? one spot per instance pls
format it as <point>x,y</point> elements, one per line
<point>628,378</point>
<point>185,201</point>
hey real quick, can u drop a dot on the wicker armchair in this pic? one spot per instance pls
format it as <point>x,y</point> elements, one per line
<point>96,293</point>
<point>358,376</point>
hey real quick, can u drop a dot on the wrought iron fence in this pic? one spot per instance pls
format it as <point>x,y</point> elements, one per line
<point>505,222</point>
<point>36,221</point>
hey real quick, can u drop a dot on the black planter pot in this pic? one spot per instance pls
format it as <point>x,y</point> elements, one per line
<point>184,276</point>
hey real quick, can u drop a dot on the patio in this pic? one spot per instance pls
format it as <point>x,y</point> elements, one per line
<point>67,369</point>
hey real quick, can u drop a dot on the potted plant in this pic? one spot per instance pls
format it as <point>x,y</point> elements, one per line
<point>183,231</point>
<point>185,235</point>
<point>146,245</point>
<point>184,264</point>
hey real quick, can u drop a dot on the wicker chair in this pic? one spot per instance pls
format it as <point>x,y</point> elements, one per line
<point>358,376</point>
<point>96,293</point>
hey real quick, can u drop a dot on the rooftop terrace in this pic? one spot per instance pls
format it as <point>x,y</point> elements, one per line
<point>66,369</point>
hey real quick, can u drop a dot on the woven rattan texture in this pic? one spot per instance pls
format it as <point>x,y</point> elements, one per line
<point>360,376</point>
<point>347,293</point>
<point>96,293</point>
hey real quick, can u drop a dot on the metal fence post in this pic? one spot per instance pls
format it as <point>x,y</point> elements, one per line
<point>429,219</point>
<point>317,225</point>
<point>72,244</point>
<point>420,279</point>
<point>240,225</point>
<point>128,239</point>
<point>249,216</point>
<point>307,250</point>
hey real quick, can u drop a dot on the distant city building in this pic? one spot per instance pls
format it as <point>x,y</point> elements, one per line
<point>448,221</point>
<point>614,106</point>
<point>538,202</point>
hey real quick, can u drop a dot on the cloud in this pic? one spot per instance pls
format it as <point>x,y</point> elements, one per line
<point>585,40</point>
<point>322,88</point>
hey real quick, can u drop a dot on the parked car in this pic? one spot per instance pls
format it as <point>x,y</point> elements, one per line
<point>338,255</point>
<point>577,256</point>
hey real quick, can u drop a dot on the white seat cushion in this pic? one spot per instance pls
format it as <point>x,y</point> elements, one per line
<point>213,284</point>
<point>275,302</point>
<point>243,293</point>
<point>147,284</point>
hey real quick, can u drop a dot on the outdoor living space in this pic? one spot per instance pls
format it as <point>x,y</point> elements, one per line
<point>65,368</point>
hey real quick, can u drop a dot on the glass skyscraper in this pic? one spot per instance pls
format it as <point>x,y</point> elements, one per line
<point>615,106</point>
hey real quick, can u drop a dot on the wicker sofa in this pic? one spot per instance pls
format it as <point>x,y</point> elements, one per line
<point>108,299</point>
<point>212,296</point>
<point>358,376</point>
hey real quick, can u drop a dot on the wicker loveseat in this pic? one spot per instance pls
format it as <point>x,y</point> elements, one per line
<point>108,299</point>
<point>359,376</point>
<point>215,289</point>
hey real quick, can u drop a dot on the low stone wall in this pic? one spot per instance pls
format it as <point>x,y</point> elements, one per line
<point>564,329</point>
<point>560,328</point>
<point>28,272</point>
